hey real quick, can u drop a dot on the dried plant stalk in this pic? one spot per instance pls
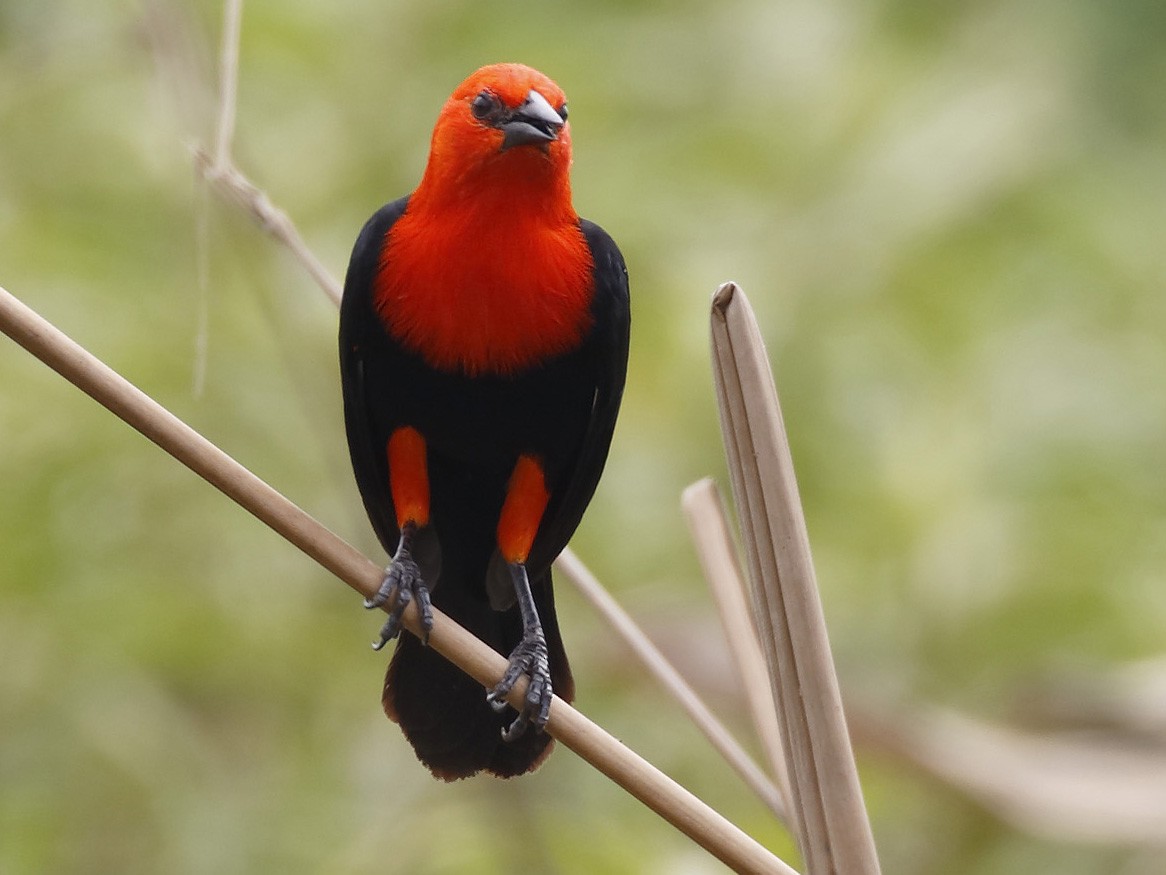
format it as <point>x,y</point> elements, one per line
<point>833,827</point>
<point>709,528</point>
<point>233,186</point>
<point>228,80</point>
<point>572,568</point>
<point>647,783</point>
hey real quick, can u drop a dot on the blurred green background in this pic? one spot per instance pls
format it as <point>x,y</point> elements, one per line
<point>950,220</point>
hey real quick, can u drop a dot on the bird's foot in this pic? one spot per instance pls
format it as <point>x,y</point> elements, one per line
<point>402,582</point>
<point>528,659</point>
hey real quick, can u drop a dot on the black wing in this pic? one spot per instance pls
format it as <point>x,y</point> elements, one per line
<point>605,355</point>
<point>360,336</point>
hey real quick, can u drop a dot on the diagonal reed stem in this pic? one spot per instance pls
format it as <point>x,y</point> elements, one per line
<point>709,527</point>
<point>571,567</point>
<point>647,783</point>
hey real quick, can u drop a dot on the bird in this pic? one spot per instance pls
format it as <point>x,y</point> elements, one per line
<point>484,335</point>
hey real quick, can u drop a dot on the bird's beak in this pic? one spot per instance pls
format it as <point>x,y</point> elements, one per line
<point>533,123</point>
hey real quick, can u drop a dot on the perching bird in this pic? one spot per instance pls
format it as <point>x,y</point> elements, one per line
<point>483,348</point>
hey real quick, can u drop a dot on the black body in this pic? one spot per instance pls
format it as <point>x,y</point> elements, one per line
<point>562,411</point>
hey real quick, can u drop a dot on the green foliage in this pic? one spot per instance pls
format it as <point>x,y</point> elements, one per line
<point>949,217</point>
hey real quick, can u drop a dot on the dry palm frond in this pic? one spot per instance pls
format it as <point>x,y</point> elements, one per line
<point>833,827</point>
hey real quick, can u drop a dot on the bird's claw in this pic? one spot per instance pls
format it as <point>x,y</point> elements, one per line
<point>402,582</point>
<point>528,659</point>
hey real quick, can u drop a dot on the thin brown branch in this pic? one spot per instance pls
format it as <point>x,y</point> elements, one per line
<point>230,183</point>
<point>641,645</point>
<point>228,81</point>
<point>833,827</point>
<point>236,188</point>
<point>130,404</point>
<point>648,784</point>
<point>709,528</point>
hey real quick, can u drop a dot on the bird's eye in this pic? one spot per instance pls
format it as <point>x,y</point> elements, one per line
<point>562,110</point>
<point>484,105</point>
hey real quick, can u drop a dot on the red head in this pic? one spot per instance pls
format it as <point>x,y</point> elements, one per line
<point>475,145</point>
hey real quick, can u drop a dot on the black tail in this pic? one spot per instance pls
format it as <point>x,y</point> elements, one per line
<point>443,711</point>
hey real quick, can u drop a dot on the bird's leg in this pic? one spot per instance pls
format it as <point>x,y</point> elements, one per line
<point>402,581</point>
<point>529,658</point>
<point>409,486</point>
<point>526,499</point>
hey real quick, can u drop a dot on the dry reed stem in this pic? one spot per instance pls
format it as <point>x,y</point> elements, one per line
<point>571,567</point>
<point>220,171</point>
<point>833,827</point>
<point>647,783</point>
<point>709,528</point>
<point>236,188</point>
<point>228,81</point>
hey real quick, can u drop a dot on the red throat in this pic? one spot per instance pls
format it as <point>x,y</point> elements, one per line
<point>495,297</point>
